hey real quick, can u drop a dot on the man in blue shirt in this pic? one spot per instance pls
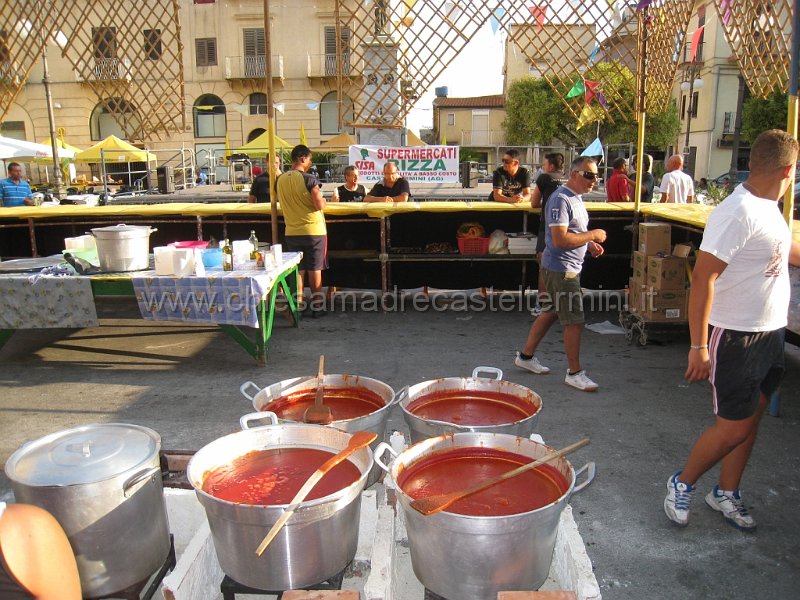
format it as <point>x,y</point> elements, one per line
<point>567,239</point>
<point>15,191</point>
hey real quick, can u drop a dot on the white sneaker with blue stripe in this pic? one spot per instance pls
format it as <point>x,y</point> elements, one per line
<point>732,507</point>
<point>678,500</point>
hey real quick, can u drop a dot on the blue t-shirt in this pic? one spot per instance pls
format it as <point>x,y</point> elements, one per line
<point>14,194</point>
<point>565,207</point>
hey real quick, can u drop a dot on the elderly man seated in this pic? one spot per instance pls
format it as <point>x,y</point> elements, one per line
<point>393,188</point>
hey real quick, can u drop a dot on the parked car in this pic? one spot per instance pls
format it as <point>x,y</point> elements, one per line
<point>723,179</point>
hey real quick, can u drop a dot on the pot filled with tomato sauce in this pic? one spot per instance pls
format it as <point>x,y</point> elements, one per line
<point>245,480</point>
<point>357,403</point>
<point>461,404</point>
<point>501,538</point>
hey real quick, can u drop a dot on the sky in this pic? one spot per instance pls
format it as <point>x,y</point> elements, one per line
<point>476,71</point>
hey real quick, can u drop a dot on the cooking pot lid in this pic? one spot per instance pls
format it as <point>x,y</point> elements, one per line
<point>85,454</point>
<point>121,231</point>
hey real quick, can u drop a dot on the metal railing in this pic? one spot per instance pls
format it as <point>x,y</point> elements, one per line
<point>324,65</point>
<point>252,67</point>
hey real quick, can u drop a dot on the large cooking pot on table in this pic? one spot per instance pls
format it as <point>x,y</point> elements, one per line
<point>123,247</point>
<point>320,538</point>
<point>102,483</point>
<point>357,403</point>
<point>502,538</point>
<point>462,404</point>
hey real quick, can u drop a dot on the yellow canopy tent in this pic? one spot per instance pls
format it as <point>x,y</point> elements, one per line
<point>338,143</point>
<point>259,147</point>
<point>113,149</point>
<point>413,140</point>
<point>62,145</point>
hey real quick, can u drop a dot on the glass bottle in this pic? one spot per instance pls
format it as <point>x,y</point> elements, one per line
<point>254,243</point>
<point>227,256</point>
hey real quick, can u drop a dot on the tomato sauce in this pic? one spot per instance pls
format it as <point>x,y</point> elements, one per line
<point>472,407</point>
<point>453,470</point>
<point>274,476</point>
<point>344,402</point>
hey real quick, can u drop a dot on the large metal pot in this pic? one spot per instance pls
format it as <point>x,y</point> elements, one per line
<point>123,247</point>
<point>318,541</point>
<point>422,429</point>
<point>473,558</point>
<point>102,483</point>
<point>375,421</point>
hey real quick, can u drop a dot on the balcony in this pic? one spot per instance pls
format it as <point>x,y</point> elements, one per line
<point>479,138</point>
<point>104,69</point>
<point>324,65</point>
<point>10,73</point>
<point>252,67</point>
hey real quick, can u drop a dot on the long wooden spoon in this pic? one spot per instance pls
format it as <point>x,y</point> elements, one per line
<point>359,440</point>
<point>318,413</point>
<point>434,504</point>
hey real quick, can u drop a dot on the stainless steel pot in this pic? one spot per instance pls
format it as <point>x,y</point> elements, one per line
<point>321,537</point>
<point>473,558</point>
<point>421,429</point>
<point>375,421</point>
<point>102,483</point>
<point>123,247</point>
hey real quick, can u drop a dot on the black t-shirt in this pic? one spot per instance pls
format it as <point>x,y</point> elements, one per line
<point>547,184</point>
<point>357,195</point>
<point>260,187</point>
<point>510,185</point>
<point>649,182</point>
<point>401,185</point>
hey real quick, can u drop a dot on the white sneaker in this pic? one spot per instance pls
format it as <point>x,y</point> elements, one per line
<point>732,507</point>
<point>533,365</point>
<point>581,381</point>
<point>678,500</point>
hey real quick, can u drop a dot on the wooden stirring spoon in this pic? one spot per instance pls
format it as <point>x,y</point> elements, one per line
<point>434,504</point>
<point>359,440</point>
<point>318,413</point>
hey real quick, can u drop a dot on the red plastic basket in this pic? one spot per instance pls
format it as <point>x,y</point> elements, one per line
<point>473,245</point>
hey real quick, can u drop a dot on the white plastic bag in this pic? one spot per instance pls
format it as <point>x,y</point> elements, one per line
<point>498,242</point>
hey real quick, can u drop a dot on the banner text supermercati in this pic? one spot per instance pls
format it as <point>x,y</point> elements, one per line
<point>422,164</point>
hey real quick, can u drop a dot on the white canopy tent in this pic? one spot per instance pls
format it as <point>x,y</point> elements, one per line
<point>13,149</point>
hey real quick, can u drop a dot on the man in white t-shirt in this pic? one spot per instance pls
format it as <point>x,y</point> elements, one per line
<point>676,186</point>
<point>740,287</point>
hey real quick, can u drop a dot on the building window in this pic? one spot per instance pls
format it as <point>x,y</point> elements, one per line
<point>152,44</point>
<point>255,63</point>
<point>255,133</point>
<point>695,102</point>
<point>451,119</point>
<point>13,129</point>
<point>329,114</point>
<point>116,117</point>
<point>206,52</point>
<point>729,122</point>
<point>258,104</point>
<point>209,116</point>
<point>683,106</point>
<point>330,51</point>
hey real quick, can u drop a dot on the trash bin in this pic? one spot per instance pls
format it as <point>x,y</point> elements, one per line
<point>166,179</point>
<point>469,174</point>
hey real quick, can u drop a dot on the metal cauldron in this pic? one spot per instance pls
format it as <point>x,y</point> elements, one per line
<point>421,429</point>
<point>473,558</point>
<point>321,537</point>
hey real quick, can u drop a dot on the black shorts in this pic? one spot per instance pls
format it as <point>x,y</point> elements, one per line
<point>744,365</point>
<point>314,249</point>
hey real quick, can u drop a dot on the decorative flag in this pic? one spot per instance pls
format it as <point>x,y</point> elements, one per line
<point>577,89</point>
<point>591,89</point>
<point>590,114</point>
<point>279,106</point>
<point>594,149</point>
<point>678,46</point>
<point>409,5</point>
<point>452,10</point>
<point>539,13</point>
<point>602,100</point>
<point>312,105</point>
<point>643,4</point>
<point>495,17</point>
<point>593,54</point>
<point>303,139</point>
<point>696,36</point>
<point>725,7</point>
<point>444,139</point>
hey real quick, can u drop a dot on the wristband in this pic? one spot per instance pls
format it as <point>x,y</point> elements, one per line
<point>698,347</point>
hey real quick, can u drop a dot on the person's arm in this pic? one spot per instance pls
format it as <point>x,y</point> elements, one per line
<point>794,254</point>
<point>250,198</point>
<point>317,199</point>
<point>536,197</point>
<point>38,553</point>
<point>565,239</point>
<point>497,195</point>
<point>374,196</point>
<point>523,196</point>
<point>404,191</point>
<point>701,295</point>
<point>335,195</point>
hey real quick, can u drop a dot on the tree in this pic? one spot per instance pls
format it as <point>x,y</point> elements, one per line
<point>535,114</point>
<point>759,114</point>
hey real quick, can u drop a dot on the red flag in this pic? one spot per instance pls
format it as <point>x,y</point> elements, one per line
<point>539,13</point>
<point>591,89</point>
<point>695,43</point>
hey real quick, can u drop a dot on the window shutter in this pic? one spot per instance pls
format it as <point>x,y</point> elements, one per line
<point>254,44</point>
<point>206,51</point>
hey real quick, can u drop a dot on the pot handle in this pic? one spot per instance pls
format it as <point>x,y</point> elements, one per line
<point>398,397</point>
<point>244,422</point>
<point>379,452</point>
<point>592,470</point>
<point>247,385</point>
<point>138,478</point>
<point>498,373</point>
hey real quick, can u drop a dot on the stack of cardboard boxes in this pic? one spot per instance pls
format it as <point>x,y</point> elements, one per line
<point>658,286</point>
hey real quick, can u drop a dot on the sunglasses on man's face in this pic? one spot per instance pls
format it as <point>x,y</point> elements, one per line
<point>588,175</point>
<point>508,161</point>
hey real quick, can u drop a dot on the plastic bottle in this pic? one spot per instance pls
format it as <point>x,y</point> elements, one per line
<point>227,256</point>
<point>254,243</point>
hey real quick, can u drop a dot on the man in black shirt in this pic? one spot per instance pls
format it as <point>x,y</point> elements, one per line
<point>259,191</point>
<point>511,183</point>
<point>351,191</point>
<point>393,188</point>
<point>648,181</point>
<point>546,183</point>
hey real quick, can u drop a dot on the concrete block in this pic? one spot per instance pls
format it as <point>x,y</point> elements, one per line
<point>379,583</point>
<point>197,574</point>
<point>571,566</point>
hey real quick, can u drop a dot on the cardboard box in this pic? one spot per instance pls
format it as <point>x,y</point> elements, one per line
<point>682,250</point>
<point>655,238</point>
<point>665,305</point>
<point>636,295</point>
<point>639,261</point>
<point>666,272</point>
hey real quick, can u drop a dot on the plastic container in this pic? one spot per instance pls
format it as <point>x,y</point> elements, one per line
<point>123,247</point>
<point>212,258</point>
<point>473,245</point>
<point>192,245</point>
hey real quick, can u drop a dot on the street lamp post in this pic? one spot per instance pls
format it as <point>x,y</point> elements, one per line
<point>690,83</point>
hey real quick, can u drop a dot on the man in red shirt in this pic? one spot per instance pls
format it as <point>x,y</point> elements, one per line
<point>617,189</point>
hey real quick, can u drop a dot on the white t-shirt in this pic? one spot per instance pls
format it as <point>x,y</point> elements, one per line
<point>678,185</point>
<point>749,234</point>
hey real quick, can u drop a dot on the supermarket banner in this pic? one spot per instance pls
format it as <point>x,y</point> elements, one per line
<point>421,164</point>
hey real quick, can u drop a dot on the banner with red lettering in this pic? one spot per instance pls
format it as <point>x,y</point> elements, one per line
<point>421,164</point>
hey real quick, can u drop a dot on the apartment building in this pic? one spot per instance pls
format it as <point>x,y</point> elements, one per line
<point>475,122</point>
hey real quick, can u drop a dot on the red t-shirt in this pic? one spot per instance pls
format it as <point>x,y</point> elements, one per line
<point>617,187</point>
